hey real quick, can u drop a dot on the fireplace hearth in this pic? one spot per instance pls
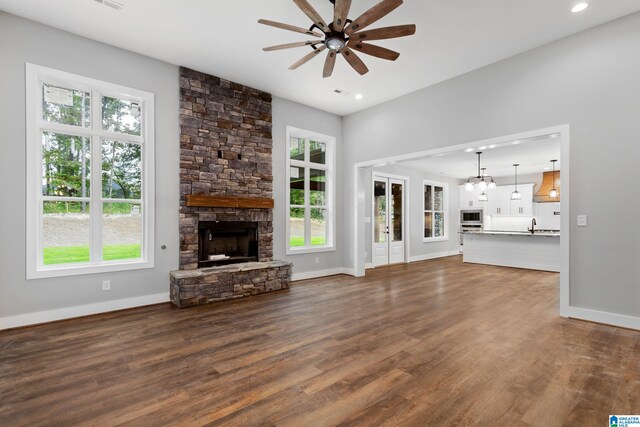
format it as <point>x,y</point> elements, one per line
<point>227,242</point>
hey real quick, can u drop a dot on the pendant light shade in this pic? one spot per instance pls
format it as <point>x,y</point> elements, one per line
<point>516,195</point>
<point>553,194</point>
<point>483,181</point>
<point>483,197</point>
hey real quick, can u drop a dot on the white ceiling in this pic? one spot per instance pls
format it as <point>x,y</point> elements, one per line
<point>533,155</point>
<point>223,38</point>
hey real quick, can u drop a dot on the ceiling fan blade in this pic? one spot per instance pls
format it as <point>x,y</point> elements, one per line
<point>329,63</point>
<point>290,45</point>
<point>372,15</point>
<point>385,33</point>
<point>312,14</point>
<point>308,57</point>
<point>377,51</point>
<point>354,61</point>
<point>290,28</point>
<point>340,14</point>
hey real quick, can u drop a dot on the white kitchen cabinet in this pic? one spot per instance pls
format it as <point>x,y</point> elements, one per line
<point>500,201</point>
<point>547,215</point>
<point>522,207</point>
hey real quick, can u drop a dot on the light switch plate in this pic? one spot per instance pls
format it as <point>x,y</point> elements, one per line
<point>582,220</point>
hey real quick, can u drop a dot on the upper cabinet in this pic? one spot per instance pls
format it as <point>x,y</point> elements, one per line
<point>500,203</point>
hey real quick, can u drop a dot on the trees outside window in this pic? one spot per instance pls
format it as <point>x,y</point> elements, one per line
<point>90,175</point>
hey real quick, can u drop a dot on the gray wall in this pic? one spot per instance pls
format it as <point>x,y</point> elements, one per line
<point>418,248</point>
<point>288,113</point>
<point>24,41</point>
<point>590,81</point>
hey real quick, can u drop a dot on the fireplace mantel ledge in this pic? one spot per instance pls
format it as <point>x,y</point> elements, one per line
<point>231,268</point>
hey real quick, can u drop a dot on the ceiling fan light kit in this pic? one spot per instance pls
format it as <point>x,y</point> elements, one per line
<point>344,35</point>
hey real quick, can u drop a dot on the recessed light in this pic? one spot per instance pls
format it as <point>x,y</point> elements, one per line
<point>579,7</point>
<point>112,4</point>
<point>516,142</point>
<point>469,150</point>
<point>492,146</point>
<point>359,96</point>
<point>484,147</point>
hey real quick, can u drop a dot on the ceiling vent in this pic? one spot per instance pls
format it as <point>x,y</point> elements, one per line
<point>112,4</point>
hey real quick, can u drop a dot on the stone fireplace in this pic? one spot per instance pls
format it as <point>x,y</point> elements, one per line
<point>226,193</point>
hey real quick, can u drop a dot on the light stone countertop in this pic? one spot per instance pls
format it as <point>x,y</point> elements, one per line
<point>514,233</point>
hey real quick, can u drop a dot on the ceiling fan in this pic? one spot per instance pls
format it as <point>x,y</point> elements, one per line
<point>343,36</point>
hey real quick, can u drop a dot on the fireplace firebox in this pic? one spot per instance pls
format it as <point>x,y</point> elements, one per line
<point>227,242</point>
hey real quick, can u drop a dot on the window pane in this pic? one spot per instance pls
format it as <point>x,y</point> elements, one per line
<point>438,198</point>
<point>121,171</point>
<point>66,106</point>
<point>380,211</point>
<point>296,149</point>
<point>296,227</point>
<point>65,165</point>
<point>121,231</point>
<point>428,203</point>
<point>317,152</point>
<point>428,224</point>
<point>317,187</point>
<point>438,224</point>
<point>119,115</point>
<point>395,211</point>
<point>65,232</point>
<point>296,186</point>
<point>318,227</point>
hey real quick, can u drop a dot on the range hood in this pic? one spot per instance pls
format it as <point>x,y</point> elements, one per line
<point>542,195</point>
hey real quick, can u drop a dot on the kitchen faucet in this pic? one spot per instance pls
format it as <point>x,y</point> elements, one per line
<point>533,226</point>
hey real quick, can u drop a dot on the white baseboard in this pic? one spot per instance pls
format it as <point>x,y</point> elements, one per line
<point>320,273</point>
<point>80,310</point>
<point>368,266</point>
<point>435,255</point>
<point>604,317</point>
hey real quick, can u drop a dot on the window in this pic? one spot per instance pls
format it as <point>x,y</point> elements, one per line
<point>436,211</point>
<point>89,175</point>
<point>310,201</point>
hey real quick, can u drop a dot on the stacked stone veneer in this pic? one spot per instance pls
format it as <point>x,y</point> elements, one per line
<point>225,150</point>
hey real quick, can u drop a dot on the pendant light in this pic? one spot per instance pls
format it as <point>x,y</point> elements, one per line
<point>482,185</point>
<point>553,194</point>
<point>481,180</point>
<point>483,197</point>
<point>516,195</point>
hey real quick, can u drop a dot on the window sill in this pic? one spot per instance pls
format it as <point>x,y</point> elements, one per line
<point>435,239</point>
<point>307,250</point>
<point>77,270</point>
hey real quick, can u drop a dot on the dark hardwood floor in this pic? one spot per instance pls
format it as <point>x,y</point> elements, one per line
<point>435,343</point>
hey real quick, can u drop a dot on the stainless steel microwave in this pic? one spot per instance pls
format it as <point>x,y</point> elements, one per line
<point>471,217</point>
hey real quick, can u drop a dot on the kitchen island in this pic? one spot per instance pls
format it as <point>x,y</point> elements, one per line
<point>537,251</point>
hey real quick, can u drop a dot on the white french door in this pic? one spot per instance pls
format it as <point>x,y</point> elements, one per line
<point>388,221</point>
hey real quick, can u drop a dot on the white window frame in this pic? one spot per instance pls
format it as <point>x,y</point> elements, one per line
<point>446,210</point>
<point>330,169</point>
<point>36,76</point>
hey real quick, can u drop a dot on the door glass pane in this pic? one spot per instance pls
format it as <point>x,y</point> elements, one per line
<point>318,227</point>
<point>438,198</point>
<point>66,106</point>
<point>121,231</point>
<point>121,170</point>
<point>296,149</point>
<point>122,116</point>
<point>428,224</point>
<point>296,227</point>
<point>296,186</point>
<point>65,165</point>
<point>396,212</point>
<point>317,187</point>
<point>428,202</point>
<point>317,152</point>
<point>438,224</point>
<point>380,211</point>
<point>65,232</point>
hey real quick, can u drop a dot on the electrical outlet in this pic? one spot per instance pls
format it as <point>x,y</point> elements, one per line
<point>317,260</point>
<point>106,285</point>
<point>582,221</point>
